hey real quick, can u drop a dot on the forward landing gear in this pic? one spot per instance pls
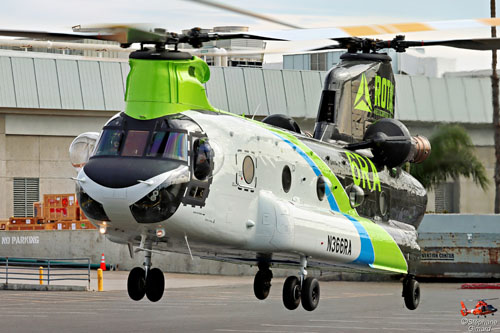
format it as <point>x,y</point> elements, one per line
<point>305,290</point>
<point>146,281</point>
<point>411,292</point>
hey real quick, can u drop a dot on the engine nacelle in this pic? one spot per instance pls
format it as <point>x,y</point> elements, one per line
<point>282,121</point>
<point>392,145</point>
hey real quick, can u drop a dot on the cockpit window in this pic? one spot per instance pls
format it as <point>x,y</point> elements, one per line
<point>172,145</point>
<point>127,139</point>
<point>135,143</point>
<point>177,146</point>
<point>157,144</point>
<point>203,154</point>
<point>109,143</point>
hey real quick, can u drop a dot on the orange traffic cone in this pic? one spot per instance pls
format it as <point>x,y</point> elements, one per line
<point>103,263</point>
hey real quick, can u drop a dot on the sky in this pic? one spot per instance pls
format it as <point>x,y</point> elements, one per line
<point>175,15</point>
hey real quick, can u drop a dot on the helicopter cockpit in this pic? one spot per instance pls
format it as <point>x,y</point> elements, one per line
<point>131,151</point>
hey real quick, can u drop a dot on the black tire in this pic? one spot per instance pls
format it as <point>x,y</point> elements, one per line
<point>411,294</point>
<point>310,294</point>
<point>155,285</point>
<point>136,283</point>
<point>262,284</point>
<point>291,293</point>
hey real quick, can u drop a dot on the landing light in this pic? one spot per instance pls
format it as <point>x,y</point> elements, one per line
<point>102,229</point>
<point>160,233</point>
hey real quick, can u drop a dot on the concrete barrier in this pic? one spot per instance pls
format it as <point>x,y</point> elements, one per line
<point>91,244</point>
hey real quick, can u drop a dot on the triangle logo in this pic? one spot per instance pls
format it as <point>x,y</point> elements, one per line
<point>362,101</point>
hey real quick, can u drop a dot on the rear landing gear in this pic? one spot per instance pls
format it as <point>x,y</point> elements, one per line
<point>305,290</point>
<point>291,293</point>
<point>146,281</point>
<point>411,292</point>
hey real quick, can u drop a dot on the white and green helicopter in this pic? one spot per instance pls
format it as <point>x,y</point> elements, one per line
<point>173,173</point>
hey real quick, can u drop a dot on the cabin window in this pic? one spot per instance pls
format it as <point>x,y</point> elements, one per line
<point>286,179</point>
<point>248,169</point>
<point>321,187</point>
<point>383,203</point>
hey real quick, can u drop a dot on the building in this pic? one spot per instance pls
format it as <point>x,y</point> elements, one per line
<point>46,100</point>
<point>230,46</point>
<point>412,62</point>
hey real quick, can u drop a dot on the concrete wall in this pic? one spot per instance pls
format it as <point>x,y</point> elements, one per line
<point>43,157</point>
<point>4,203</point>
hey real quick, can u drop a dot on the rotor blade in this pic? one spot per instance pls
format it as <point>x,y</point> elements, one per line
<point>124,34</point>
<point>26,43</point>
<point>245,12</point>
<point>482,44</point>
<point>243,35</point>
<point>50,35</point>
<point>372,30</point>
<point>243,52</point>
<point>120,34</point>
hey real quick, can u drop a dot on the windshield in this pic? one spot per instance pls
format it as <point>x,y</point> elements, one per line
<point>165,144</point>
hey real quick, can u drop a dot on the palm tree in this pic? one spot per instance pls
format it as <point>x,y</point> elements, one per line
<point>452,156</point>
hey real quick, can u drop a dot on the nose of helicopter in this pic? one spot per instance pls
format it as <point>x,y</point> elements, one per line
<point>148,201</point>
<point>121,173</point>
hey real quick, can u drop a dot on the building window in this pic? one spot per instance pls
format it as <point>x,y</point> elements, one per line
<point>447,198</point>
<point>318,62</point>
<point>26,192</point>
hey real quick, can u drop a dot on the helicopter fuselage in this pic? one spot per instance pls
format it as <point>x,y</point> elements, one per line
<point>268,194</point>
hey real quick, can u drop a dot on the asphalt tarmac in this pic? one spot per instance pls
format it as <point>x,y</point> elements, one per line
<point>194,303</point>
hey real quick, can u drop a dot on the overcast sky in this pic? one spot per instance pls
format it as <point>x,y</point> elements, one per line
<point>175,15</point>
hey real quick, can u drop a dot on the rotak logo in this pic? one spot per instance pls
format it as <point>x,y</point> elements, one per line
<point>383,97</point>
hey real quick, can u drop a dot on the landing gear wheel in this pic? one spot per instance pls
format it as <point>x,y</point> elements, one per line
<point>291,293</point>
<point>136,283</point>
<point>155,285</point>
<point>411,293</point>
<point>262,284</point>
<point>310,294</point>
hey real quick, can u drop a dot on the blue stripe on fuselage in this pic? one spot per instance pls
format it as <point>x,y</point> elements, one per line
<point>366,255</point>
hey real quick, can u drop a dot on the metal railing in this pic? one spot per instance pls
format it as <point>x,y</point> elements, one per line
<point>44,270</point>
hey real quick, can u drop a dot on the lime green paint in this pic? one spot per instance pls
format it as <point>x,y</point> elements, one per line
<point>362,168</point>
<point>363,101</point>
<point>388,255</point>
<point>384,95</point>
<point>156,88</point>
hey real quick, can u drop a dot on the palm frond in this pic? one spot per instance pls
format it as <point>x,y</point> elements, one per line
<point>452,156</point>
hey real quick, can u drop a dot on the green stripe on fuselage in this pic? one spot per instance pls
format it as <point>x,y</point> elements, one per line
<point>388,255</point>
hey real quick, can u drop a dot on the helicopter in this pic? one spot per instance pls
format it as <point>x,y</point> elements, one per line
<point>173,173</point>
<point>481,309</point>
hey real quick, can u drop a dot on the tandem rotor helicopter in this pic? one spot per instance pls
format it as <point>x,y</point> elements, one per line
<point>173,173</point>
